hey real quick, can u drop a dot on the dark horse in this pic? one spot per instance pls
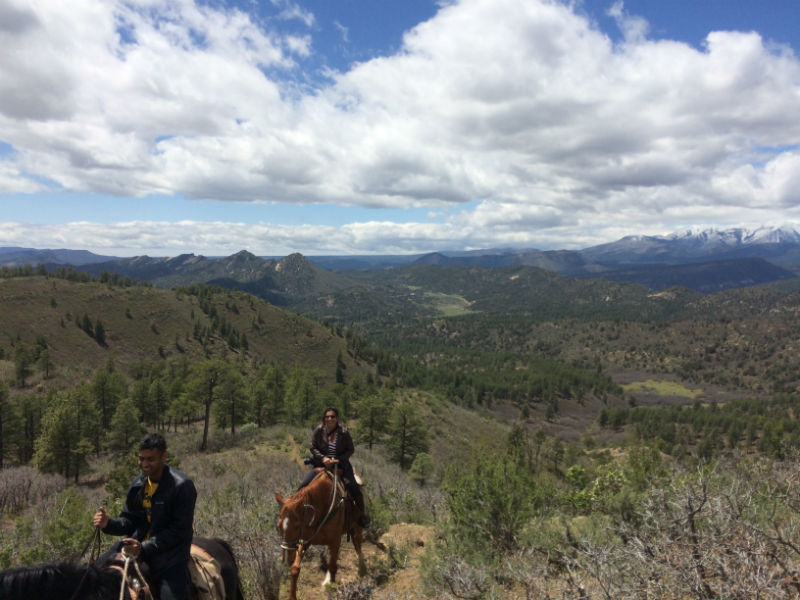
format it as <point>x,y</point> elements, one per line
<point>70,581</point>
<point>318,515</point>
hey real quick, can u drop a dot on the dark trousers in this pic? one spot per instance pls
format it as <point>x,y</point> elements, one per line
<point>170,583</point>
<point>349,482</point>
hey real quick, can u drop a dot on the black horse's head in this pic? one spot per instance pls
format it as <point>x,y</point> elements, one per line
<point>60,581</point>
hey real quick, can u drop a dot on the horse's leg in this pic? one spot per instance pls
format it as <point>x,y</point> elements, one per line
<point>333,557</point>
<point>294,572</point>
<point>358,538</point>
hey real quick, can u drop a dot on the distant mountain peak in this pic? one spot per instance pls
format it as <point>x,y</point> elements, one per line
<point>293,262</point>
<point>737,236</point>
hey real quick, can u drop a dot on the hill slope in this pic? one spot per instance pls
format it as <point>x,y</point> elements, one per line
<point>147,324</point>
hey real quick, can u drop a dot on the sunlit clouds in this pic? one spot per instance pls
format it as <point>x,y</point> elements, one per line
<point>515,123</point>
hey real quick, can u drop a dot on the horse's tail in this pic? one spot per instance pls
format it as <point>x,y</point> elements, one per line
<point>229,550</point>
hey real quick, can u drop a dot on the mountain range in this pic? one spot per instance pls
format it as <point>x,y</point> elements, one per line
<point>704,260</point>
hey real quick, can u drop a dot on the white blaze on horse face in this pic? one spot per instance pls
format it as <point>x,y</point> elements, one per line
<point>285,524</point>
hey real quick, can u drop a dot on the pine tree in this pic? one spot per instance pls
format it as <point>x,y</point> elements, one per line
<point>232,406</point>
<point>22,363</point>
<point>301,397</point>
<point>99,332</point>
<point>108,388</point>
<point>203,384</point>
<point>407,434</point>
<point>373,417</point>
<point>125,426</point>
<point>422,468</point>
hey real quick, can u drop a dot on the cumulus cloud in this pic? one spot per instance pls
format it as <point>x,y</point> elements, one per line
<point>523,110</point>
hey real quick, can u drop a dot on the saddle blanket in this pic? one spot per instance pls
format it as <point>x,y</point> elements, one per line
<point>206,575</point>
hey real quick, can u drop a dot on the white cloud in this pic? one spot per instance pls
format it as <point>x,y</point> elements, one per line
<point>521,108</point>
<point>13,181</point>
<point>344,31</point>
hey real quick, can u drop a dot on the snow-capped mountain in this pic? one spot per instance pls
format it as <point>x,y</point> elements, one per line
<point>734,238</point>
<point>780,245</point>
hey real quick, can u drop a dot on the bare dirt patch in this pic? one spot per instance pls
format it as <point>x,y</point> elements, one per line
<point>407,541</point>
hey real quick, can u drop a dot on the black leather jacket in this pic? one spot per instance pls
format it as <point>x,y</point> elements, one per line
<point>172,515</point>
<point>319,444</point>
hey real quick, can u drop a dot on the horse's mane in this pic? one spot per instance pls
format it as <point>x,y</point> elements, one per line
<point>309,493</point>
<point>55,581</point>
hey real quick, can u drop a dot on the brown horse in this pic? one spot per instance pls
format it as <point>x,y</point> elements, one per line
<point>319,514</point>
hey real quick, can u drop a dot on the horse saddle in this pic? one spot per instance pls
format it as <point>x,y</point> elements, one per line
<point>205,577</point>
<point>340,473</point>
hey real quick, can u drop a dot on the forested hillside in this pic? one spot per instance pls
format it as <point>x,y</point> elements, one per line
<point>540,436</point>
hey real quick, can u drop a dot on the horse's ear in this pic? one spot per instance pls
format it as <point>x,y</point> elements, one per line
<point>279,498</point>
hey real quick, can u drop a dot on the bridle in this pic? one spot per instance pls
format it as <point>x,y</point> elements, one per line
<point>94,542</point>
<point>300,544</point>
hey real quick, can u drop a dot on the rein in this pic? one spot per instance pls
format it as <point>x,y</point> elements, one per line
<point>94,542</point>
<point>300,542</point>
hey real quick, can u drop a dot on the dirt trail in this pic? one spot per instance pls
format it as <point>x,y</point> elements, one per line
<point>408,539</point>
<point>294,450</point>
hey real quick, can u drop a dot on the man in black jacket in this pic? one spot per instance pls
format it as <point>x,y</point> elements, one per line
<point>157,519</point>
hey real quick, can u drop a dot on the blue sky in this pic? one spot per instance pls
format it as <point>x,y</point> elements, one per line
<point>385,126</point>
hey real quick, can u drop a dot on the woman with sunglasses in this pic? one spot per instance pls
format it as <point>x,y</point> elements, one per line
<point>331,442</point>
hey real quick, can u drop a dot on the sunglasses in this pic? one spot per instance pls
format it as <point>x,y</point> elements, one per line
<point>330,416</point>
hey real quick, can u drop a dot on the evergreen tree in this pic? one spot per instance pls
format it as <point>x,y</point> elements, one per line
<point>232,406</point>
<point>184,408</point>
<point>26,417</point>
<point>203,384</point>
<point>86,325</point>
<point>22,363</point>
<point>158,401</point>
<point>267,394</point>
<point>68,427</point>
<point>140,396</point>
<point>422,468</point>
<point>45,363</point>
<point>301,397</point>
<point>373,417</point>
<point>100,332</point>
<point>489,499</point>
<point>108,388</point>
<point>407,434</point>
<point>125,426</point>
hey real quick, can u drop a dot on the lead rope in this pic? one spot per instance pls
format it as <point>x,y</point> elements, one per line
<point>130,558</point>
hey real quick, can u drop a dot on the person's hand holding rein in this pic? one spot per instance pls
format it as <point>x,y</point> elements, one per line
<point>100,518</point>
<point>131,546</point>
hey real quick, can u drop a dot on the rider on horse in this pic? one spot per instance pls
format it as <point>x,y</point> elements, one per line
<point>331,442</point>
<point>157,516</point>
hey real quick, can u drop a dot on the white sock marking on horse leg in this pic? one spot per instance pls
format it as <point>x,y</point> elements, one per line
<point>327,579</point>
